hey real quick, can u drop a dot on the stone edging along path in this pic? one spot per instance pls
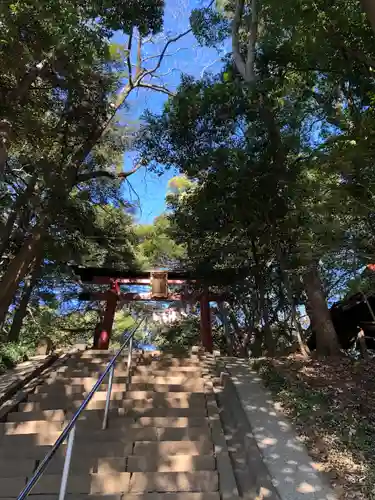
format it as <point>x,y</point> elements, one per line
<point>292,470</point>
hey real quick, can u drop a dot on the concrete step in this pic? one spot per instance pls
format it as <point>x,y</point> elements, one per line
<point>95,417</point>
<point>134,463</point>
<point>192,385</point>
<point>38,403</point>
<point>169,380</point>
<point>16,468</point>
<point>120,482</point>
<point>188,386</point>
<point>156,367</point>
<point>30,427</point>
<point>23,416</point>
<point>46,433</point>
<point>126,434</point>
<point>29,449</point>
<point>119,394</point>
<point>172,361</point>
<point>144,496</point>
<point>83,382</point>
<point>85,372</point>
<point>165,448</point>
<point>173,463</point>
<point>33,448</point>
<point>159,482</point>
<point>191,426</point>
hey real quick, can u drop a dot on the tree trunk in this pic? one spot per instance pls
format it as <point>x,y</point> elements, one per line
<point>18,269</point>
<point>224,318</point>
<point>260,283</point>
<point>236,330</point>
<point>20,202</point>
<point>20,313</point>
<point>326,338</point>
<point>369,8</point>
<point>256,346</point>
<point>298,330</point>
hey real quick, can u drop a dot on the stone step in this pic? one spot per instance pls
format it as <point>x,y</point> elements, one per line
<point>126,434</point>
<point>30,427</point>
<point>169,380</point>
<point>32,448</point>
<point>36,446</point>
<point>85,372</point>
<point>156,367</point>
<point>158,428</point>
<point>133,463</point>
<point>45,434</point>
<point>172,361</point>
<point>120,482</point>
<point>86,382</point>
<point>117,411</point>
<point>23,416</point>
<point>188,386</point>
<point>178,426</point>
<point>16,468</point>
<point>95,417</point>
<point>158,482</point>
<point>165,448</point>
<point>207,495</point>
<point>156,370</point>
<point>192,385</point>
<point>119,394</point>
<point>173,463</point>
<point>117,401</point>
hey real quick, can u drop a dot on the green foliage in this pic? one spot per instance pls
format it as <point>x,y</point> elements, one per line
<point>180,336</point>
<point>280,173</point>
<point>12,354</point>
<point>156,246</point>
<point>210,27</point>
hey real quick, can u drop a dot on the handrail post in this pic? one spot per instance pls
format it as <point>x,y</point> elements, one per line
<point>130,354</point>
<point>108,399</point>
<point>68,459</point>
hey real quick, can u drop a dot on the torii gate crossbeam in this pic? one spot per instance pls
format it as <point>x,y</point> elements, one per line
<point>159,280</point>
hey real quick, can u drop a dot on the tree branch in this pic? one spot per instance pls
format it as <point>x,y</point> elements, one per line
<point>253,36</point>
<point>163,52</point>
<point>245,68</point>
<point>236,23</point>
<point>138,67</point>
<point>128,58</point>
<point>97,174</point>
<point>156,56</point>
<point>158,88</point>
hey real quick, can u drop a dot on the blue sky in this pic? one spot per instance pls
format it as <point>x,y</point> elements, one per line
<point>186,57</point>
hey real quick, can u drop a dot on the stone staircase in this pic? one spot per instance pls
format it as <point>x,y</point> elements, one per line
<point>164,439</point>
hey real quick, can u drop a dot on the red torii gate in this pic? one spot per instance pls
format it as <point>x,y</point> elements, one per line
<point>159,281</point>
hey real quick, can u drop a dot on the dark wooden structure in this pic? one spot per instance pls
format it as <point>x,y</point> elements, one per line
<point>349,316</point>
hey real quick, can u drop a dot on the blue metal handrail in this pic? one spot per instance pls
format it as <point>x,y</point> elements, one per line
<point>69,431</point>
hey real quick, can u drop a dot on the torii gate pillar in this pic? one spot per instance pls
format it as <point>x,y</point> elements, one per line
<point>102,340</point>
<point>206,330</point>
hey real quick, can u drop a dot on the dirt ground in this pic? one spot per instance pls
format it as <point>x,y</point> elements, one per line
<point>332,404</point>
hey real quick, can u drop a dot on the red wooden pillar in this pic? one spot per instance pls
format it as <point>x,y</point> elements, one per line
<point>109,315</point>
<point>206,330</point>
